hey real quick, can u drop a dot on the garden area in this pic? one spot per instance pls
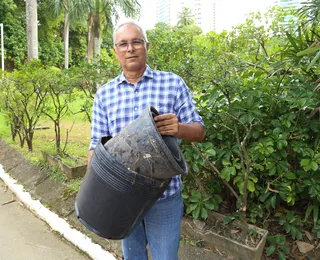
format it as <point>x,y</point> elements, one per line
<point>257,88</point>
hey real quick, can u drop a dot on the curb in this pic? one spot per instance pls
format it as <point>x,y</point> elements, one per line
<point>58,224</point>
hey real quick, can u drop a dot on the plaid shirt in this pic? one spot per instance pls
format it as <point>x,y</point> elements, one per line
<point>118,102</point>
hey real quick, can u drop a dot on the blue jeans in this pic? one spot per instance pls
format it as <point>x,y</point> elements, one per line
<point>160,228</point>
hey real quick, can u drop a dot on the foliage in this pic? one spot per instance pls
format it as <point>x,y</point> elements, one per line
<point>24,97</point>
<point>88,77</point>
<point>199,204</point>
<point>278,246</point>
<point>13,17</point>
<point>59,95</point>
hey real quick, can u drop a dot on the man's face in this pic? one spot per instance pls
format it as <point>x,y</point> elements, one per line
<point>130,59</point>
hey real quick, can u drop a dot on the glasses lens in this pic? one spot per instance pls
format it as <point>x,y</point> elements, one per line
<point>136,44</point>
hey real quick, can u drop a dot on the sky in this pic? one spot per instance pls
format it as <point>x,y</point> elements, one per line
<point>230,12</point>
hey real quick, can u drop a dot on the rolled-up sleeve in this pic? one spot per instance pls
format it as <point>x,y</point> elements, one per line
<point>185,106</point>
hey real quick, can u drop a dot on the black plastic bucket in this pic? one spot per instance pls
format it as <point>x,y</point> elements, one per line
<point>142,149</point>
<point>112,200</point>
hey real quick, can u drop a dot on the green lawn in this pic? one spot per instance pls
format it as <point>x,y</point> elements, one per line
<point>75,126</point>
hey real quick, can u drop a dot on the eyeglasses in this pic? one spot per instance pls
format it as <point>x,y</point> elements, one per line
<point>136,44</point>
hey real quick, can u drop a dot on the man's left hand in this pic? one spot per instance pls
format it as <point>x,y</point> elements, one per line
<point>167,124</point>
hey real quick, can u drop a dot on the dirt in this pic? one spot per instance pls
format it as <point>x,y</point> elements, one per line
<point>234,232</point>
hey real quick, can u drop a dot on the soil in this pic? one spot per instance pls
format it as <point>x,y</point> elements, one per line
<point>234,231</point>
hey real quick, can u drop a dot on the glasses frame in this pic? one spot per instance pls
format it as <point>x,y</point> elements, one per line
<point>141,41</point>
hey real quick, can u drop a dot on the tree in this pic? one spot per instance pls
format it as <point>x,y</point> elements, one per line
<point>73,11</point>
<point>310,12</point>
<point>185,17</point>
<point>13,17</point>
<point>25,100</point>
<point>32,29</point>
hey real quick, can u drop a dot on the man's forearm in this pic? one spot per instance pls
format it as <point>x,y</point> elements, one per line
<point>194,132</point>
<point>89,156</point>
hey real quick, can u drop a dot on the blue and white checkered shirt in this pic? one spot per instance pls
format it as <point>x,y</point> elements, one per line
<point>119,102</point>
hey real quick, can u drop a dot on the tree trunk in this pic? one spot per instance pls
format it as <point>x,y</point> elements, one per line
<point>32,29</point>
<point>90,40</point>
<point>96,33</point>
<point>66,40</point>
<point>58,136</point>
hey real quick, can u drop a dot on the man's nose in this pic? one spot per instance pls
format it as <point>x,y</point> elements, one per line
<point>130,47</point>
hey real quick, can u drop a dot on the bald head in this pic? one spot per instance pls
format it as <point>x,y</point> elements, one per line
<point>131,22</point>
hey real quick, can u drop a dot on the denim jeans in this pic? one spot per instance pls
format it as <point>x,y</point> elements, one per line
<point>160,228</point>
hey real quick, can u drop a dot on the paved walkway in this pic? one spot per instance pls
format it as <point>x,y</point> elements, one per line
<point>24,236</point>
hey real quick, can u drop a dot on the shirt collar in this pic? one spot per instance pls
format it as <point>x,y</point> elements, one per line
<point>148,73</point>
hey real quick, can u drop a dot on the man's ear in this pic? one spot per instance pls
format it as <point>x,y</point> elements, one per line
<point>147,46</point>
<point>115,52</point>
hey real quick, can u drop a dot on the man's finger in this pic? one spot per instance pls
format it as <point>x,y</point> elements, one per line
<point>164,117</point>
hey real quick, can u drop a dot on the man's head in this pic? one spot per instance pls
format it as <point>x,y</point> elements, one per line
<point>130,46</point>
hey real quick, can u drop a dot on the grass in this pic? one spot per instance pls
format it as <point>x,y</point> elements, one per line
<point>44,140</point>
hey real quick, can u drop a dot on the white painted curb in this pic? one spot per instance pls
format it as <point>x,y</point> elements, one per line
<point>55,222</point>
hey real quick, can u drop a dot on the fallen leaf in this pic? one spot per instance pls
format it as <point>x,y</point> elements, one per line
<point>309,235</point>
<point>304,247</point>
<point>234,231</point>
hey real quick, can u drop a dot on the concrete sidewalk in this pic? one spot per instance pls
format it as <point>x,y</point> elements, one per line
<point>24,236</point>
<point>52,203</point>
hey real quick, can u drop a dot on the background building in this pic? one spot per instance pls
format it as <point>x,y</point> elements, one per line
<point>203,11</point>
<point>210,15</point>
<point>294,4</point>
<point>289,3</point>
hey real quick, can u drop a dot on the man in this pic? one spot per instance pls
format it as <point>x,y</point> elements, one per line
<point>121,101</point>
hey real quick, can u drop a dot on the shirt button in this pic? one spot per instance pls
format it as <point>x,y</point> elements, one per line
<point>135,108</point>
<point>136,92</point>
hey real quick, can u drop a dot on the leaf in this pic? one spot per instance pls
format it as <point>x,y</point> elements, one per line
<point>271,239</point>
<point>304,162</point>
<point>309,50</point>
<point>292,41</point>
<point>281,255</point>
<point>263,197</point>
<point>226,162</point>
<point>204,213</point>
<point>191,208</point>
<point>251,186</point>
<point>185,196</point>
<point>206,198</point>
<point>314,166</point>
<point>196,212</point>
<point>209,206</point>
<point>285,249</point>
<point>290,176</point>
<point>308,212</point>
<point>280,239</point>
<point>196,195</point>
<point>314,60</point>
<point>270,250</point>
<point>226,173</point>
<point>195,167</point>
<point>211,152</point>
<point>273,201</point>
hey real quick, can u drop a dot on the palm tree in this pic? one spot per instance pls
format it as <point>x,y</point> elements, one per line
<point>310,12</point>
<point>102,12</point>
<point>32,29</point>
<point>185,17</point>
<point>310,15</point>
<point>73,11</point>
